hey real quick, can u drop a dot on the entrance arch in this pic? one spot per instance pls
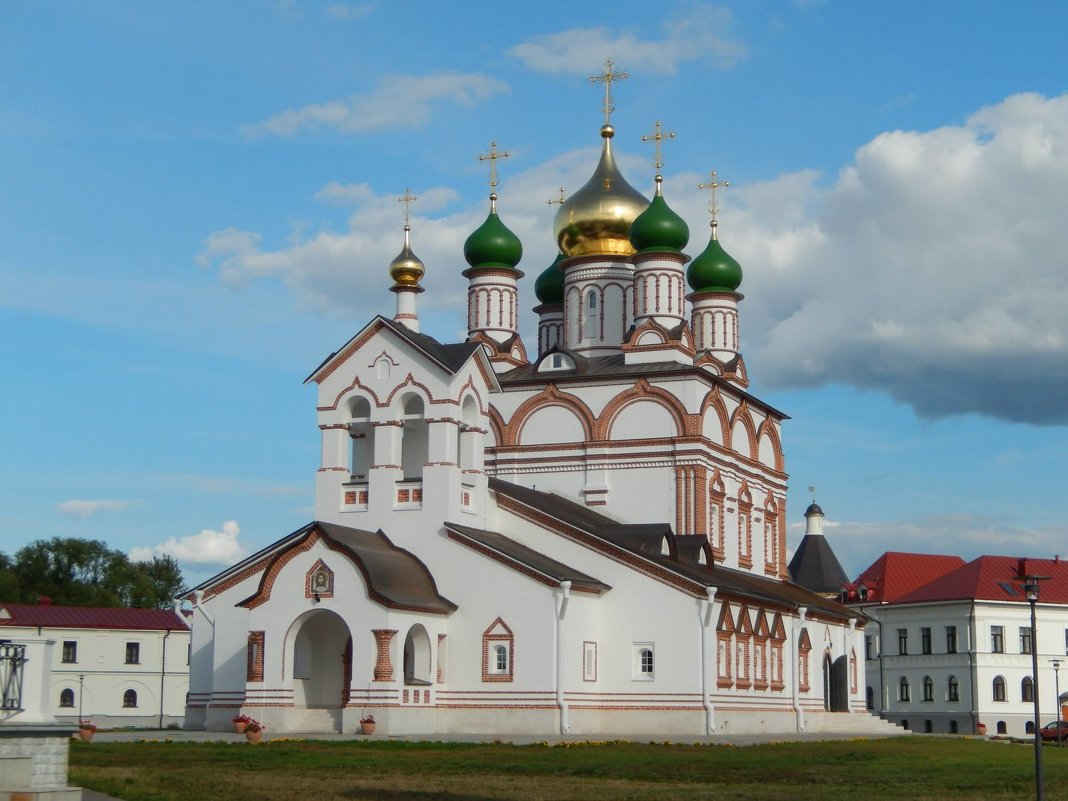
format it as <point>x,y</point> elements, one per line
<point>417,656</point>
<point>322,660</point>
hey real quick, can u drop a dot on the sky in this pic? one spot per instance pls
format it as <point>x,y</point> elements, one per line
<point>198,202</point>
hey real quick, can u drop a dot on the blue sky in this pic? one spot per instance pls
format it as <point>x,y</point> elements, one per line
<point>198,203</point>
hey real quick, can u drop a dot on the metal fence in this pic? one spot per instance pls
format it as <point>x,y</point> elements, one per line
<point>12,658</point>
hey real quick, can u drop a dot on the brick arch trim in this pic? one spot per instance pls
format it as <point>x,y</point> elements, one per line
<point>714,400</point>
<point>767,429</point>
<point>742,414</point>
<point>644,391</point>
<point>356,385</point>
<point>550,396</point>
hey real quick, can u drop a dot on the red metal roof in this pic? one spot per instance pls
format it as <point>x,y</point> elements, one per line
<point>895,574</point>
<point>993,578</point>
<point>90,617</point>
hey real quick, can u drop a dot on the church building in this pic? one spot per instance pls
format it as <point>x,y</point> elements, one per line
<point>589,539</point>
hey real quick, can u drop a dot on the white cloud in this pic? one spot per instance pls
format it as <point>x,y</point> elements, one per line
<point>398,101</point>
<point>206,548</point>
<point>700,35</point>
<point>83,509</point>
<point>350,12</point>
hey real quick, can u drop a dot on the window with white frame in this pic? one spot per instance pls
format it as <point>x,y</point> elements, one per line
<point>998,688</point>
<point>997,639</point>
<point>953,689</point>
<point>644,661</point>
<point>903,690</point>
<point>498,652</point>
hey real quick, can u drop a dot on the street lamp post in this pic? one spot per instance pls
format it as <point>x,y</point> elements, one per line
<point>1057,706</point>
<point>81,687</point>
<point>1030,588</point>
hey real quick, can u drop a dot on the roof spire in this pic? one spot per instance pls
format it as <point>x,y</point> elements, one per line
<point>606,77</point>
<point>656,139</point>
<point>492,157</point>
<point>713,206</point>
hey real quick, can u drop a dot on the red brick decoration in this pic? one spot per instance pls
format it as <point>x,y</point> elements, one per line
<point>441,658</point>
<point>254,668</point>
<point>498,633</point>
<point>724,648</point>
<point>804,647</point>
<point>778,637</point>
<point>743,638</point>
<point>852,671</point>
<point>383,662</point>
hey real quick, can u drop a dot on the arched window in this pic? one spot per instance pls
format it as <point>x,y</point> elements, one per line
<point>928,726</point>
<point>869,698</point>
<point>1002,727</point>
<point>1029,727</point>
<point>953,727</point>
<point>928,688</point>
<point>903,693</point>
<point>414,440</point>
<point>1027,690</point>
<point>361,438</point>
<point>129,699</point>
<point>646,657</point>
<point>417,656</point>
<point>66,698</point>
<point>905,725</point>
<point>952,689</point>
<point>498,644</point>
<point>999,688</point>
<point>500,658</point>
<point>591,300</point>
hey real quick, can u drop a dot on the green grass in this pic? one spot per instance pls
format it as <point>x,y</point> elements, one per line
<point>895,768</point>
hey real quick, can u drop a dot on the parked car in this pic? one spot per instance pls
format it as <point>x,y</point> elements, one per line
<point>1058,730</point>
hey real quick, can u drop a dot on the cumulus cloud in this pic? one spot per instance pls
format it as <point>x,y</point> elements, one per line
<point>700,35</point>
<point>398,101</point>
<point>206,548</point>
<point>83,509</point>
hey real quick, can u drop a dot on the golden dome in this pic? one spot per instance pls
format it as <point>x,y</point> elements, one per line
<point>407,268</point>
<point>596,219</point>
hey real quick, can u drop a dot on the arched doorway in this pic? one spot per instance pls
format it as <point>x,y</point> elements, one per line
<point>835,683</point>
<point>322,660</point>
<point>417,656</point>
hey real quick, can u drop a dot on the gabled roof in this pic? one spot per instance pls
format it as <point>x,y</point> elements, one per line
<point>646,541</point>
<point>90,617</point>
<point>815,566</point>
<point>993,578</point>
<point>895,574</point>
<point>516,554</point>
<point>449,357</point>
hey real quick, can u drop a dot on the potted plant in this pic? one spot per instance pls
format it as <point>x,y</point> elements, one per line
<point>241,723</point>
<point>980,729</point>
<point>367,725</point>
<point>86,730</point>
<point>254,731</point>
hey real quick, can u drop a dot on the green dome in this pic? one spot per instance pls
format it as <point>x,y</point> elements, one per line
<point>714,270</point>
<point>658,228</point>
<point>493,245</point>
<point>549,288</point>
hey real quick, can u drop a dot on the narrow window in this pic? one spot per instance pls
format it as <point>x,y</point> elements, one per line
<point>591,300</point>
<point>903,693</point>
<point>129,699</point>
<point>953,727</point>
<point>925,640</point>
<point>70,651</point>
<point>867,647</point>
<point>951,639</point>
<point>1027,690</point>
<point>997,639</point>
<point>66,698</point>
<point>902,641</point>
<point>953,689</point>
<point>1025,639</point>
<point>928,688</point>
<point>643,661</point>
<point>999,688</point>
<point>133,653</point>
<point>500,658</point>
<point>869,699</point>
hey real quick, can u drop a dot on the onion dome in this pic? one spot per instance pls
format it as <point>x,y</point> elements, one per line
<point>407,268</point>
<point>492,244</point>
<point>658,228</point>
<point>714,270</point>
<point>549,287</point>
<point>813,509</point>
<point>597,218</point>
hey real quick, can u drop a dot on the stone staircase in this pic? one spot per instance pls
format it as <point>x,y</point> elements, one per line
<point>319,721</point>
<point>859,723</point>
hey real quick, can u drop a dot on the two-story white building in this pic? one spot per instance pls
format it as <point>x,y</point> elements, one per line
<point>114,665</point>
<point>950,647</point>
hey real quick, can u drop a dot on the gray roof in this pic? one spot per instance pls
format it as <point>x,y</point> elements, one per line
<point>647,539</point>
<point>816,567</point>
<point>527,557</point>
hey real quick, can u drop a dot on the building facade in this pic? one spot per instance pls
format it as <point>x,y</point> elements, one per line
<point>115,666</point>
<point>591,540</point>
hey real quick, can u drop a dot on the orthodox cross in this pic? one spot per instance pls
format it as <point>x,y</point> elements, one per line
<point>656,139</point>
<point>407,199</point>
<point>492,157</point>
<point>713,208</point>
<point>607,77</point>
<point>557,201</point>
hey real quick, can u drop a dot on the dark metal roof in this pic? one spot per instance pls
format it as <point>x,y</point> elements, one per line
<point>813,509</point>
<point>615,366</point>
<point>647,539</point>
<point>816,567</point>
<point>528,557</point>
<point>90,617</point>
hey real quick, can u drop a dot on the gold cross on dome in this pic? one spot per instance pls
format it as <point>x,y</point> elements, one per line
<point>492,157</point>
<point>656,139</point>
<point>606,77</point>
<point>407,199</point>
<point>558,201</point>
<point>713,207</point>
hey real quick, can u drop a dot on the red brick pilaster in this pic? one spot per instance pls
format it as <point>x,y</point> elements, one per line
<point>383,664</point>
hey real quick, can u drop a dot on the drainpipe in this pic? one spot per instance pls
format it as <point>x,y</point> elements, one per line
<point>163,677</point>
<point>706,622</point>
<point>795,699</point>
<point>561,610</point>
<point>199,606</point>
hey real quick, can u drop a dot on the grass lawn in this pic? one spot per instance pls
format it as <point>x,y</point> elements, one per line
<point>896,768</point>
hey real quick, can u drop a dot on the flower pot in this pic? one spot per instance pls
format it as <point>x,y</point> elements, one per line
<point>980,729</point>
<point>367,728</point>
<point>86,734</point>
<point>240,726</point>
<point>254,736</point>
